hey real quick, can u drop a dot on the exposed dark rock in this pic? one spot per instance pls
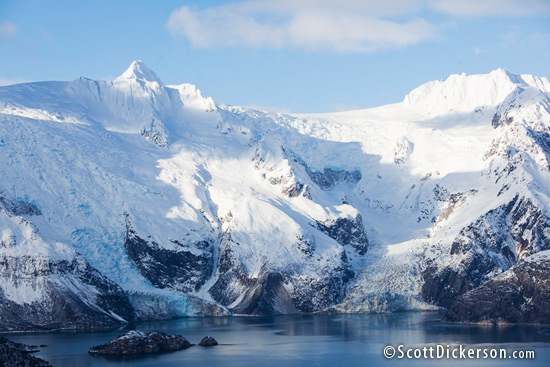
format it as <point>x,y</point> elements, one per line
<point>499,119</point>
<point>330,177</point>
<point>519,295</point>
<point>62,307</point>
<point>179,270</point>
<point>17,355</point>
<point>137,342</point>
<point>208,341</point>
<point>232,280</point>
<point>441,286</point>
<point>17,207</point>
<point>542,140</point>
<point>276,292</point>
<point>266,295</point>
<point>502,118</point>
<point>312,294</point>
<point>306,245</point>
<point>155,132</point>
<point>293,188</point>
<point>453,202</point>
<point>521,143</point>
<point>347,232</point>
<point>490,245</point>
<point>296,189</point>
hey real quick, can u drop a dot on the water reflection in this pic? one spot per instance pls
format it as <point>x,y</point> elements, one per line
<point>323,340</point>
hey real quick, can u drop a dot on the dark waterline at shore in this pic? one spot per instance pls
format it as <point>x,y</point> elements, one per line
<point>335,340</point>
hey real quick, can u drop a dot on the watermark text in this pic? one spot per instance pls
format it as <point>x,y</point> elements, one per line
<point>446,351</point>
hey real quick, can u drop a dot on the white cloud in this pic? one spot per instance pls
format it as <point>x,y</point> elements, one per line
<point>493,7</point>
<point>8,30</point>
<point>353,25</point>
<point>516,37</point>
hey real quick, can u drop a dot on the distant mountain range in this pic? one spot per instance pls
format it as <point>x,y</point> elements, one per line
<point>134,200</point>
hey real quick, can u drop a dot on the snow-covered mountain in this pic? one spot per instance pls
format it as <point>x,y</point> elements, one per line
<point>179,206</point>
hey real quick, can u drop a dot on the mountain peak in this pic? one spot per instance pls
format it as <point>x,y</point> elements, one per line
<point>465,92</point>
<point>504,74</point>
<point>139,71</point>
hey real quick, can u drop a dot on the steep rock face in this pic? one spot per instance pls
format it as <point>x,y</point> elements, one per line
<point>180,270</point>
<point>312,294</point>
<point>517,166</point>
<point>266,295</point>
<point>328,177</point>
<point>278,291</point>
<point>331,177</point>
<point>347,232</point>
<point>287,261</point>
<point>490,245</point>
<point>61,306</point>
<point>232,280</point>
<point>46,287</point>
<point>519,295</point>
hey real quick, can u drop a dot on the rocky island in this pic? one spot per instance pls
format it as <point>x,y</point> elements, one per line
<point>137,342</point>
<point>16,354</point>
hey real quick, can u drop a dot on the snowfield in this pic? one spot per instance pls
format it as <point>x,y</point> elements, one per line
<point>195,208</point>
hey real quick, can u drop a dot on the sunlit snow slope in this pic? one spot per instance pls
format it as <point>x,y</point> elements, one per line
<point>185,207</point>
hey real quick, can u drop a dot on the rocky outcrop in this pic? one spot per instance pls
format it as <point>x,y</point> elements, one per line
<point>277,291</point>
<point>490,245</point>
<point>519,295</point>
<point>72,295</point>
<point>453,202</point>
<point>156,133</point>
<point>296,189</point>
<point>208,341</point>
<point>347,232</point>
<point>16,206</point>
<point>231,278</point>
<point>17,355</point>
<point>181,270</point>
<point>47,286</point>
<point>136,342</point>
<point>266,294</point>
<point>312,294</point>
<point>329,177</point>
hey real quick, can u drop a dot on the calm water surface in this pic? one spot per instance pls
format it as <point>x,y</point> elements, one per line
<point>300,341</point>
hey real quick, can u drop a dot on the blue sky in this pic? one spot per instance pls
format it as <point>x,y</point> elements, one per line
<point>300,56</point>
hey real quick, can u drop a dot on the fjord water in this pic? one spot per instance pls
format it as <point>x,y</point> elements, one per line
<point>335,340</point>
